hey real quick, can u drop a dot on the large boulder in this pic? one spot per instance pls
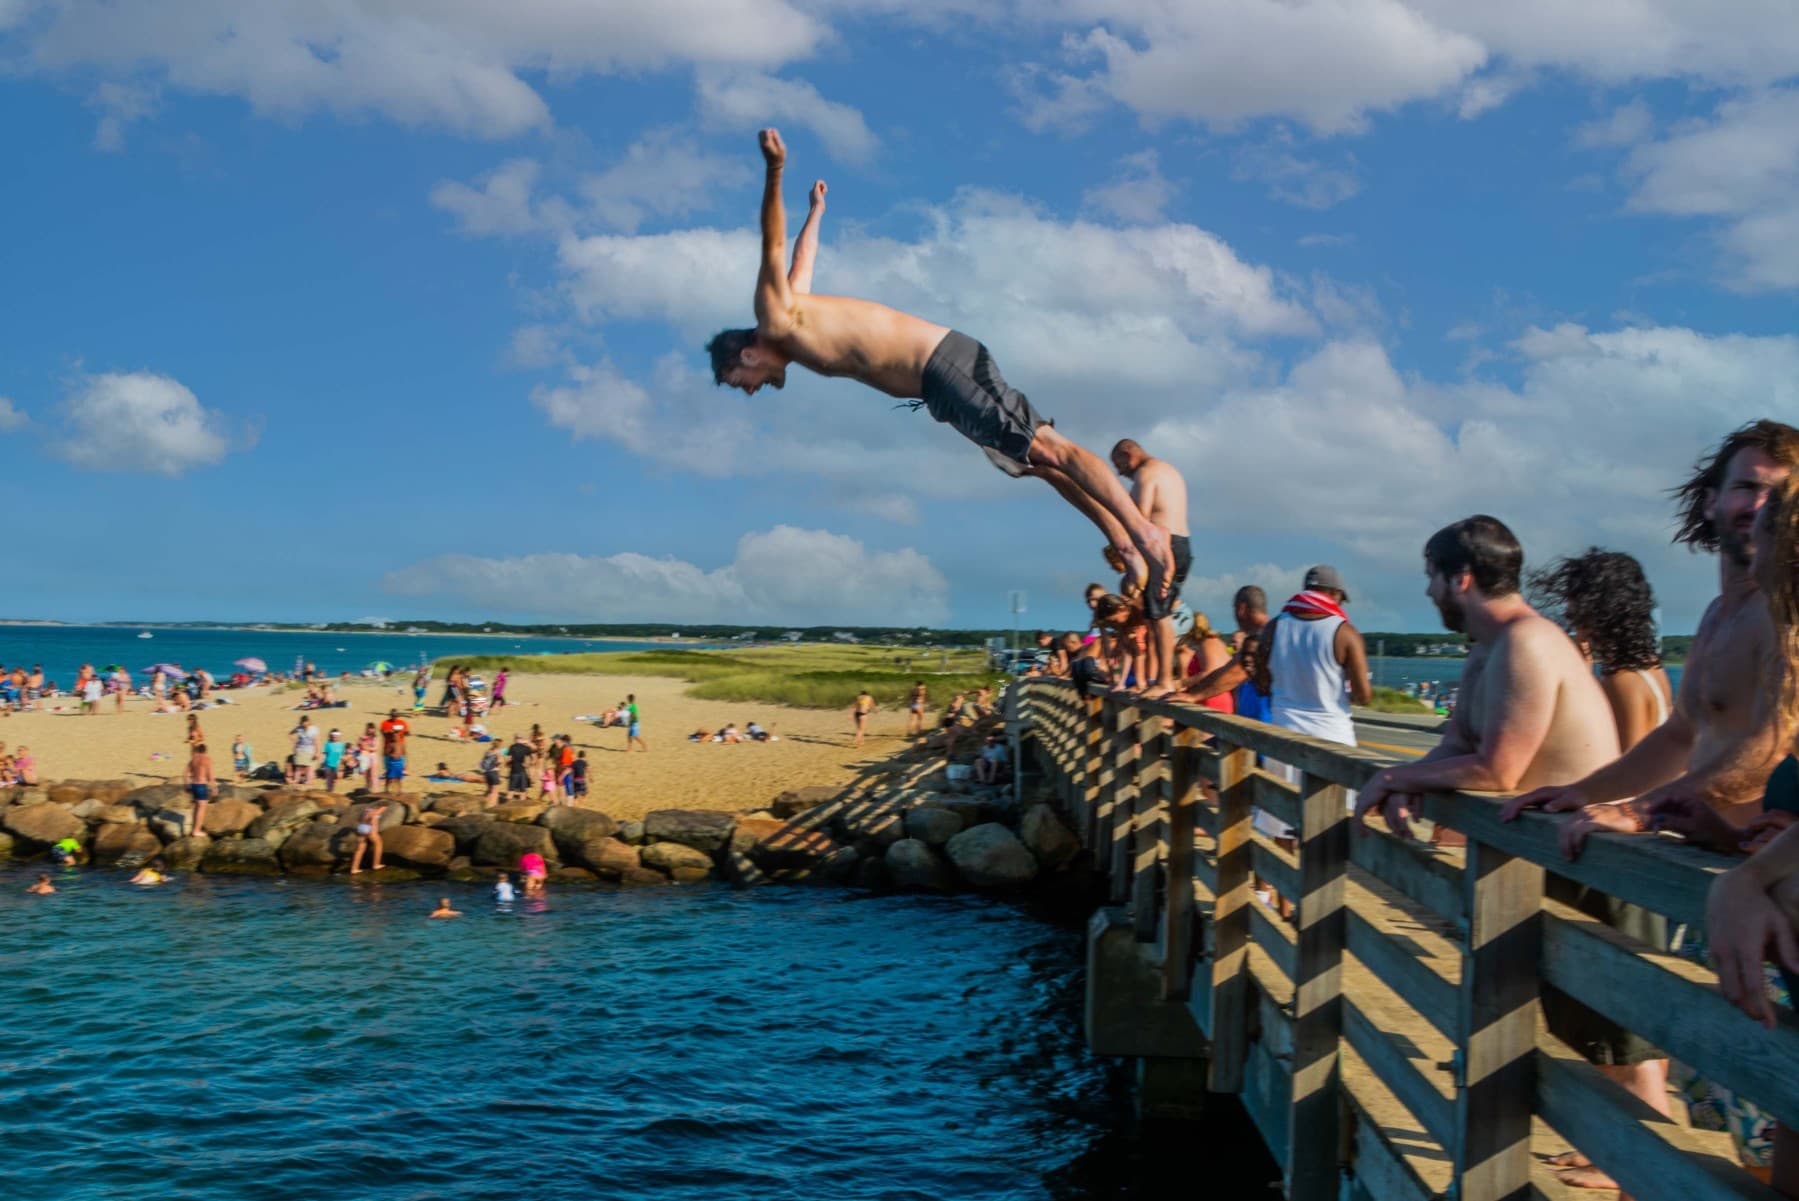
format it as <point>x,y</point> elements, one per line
<point>973,811</point>
<point>37,826</point>
<point>317,847</point>
<point>68,792</point>
<point>465,829</point>
<point>283,817</point>
<point>225,818</point>
<point>752,831</point>
<point>501,843</point>
<point>518,811</point>
<point>873,822</point>
<point>631,832</point>
<point>684,864</point>
<point>933,826</point>
<point>701,829</point>
<point>1047,838</point>
<point>116,815</point>
<point>171,824</point>
<point>184,854</point>
<point>6,845</point>
<point>418,846</point>
<point>241,857</point>
<point>911,864</point>
<point>608,858</point>
<point>637,877</point>
<point>796,801</point>
<point>455,804</point>
<point>119,845</point>
<point>572,825</point>
<point>990,856</point>
<point>153,797</point>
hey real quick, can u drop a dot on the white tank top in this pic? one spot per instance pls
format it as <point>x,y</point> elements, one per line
<point>1308,681</point>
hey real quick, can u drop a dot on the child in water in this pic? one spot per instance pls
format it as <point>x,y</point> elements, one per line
<point>503,893</point>
<point>43,887</point>
<point>443,909</point>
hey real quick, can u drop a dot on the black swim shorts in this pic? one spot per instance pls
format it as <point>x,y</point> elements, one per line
<point>1183,561</point>
<point>963,388</point>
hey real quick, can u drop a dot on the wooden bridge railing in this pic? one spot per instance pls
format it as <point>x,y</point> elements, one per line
<point>1386,1038</point>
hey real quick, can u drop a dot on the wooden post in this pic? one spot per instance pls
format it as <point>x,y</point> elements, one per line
<point>1496,1025</point>
<point>1149,825</point>
<point>1313,1146</point>
<point>1094,776</point>
<point>1177,904</point>
<point>1125,754</point>
<point>1230,923</point>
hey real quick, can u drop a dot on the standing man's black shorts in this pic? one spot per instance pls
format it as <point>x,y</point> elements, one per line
<point>1156,609</point>
<point>963,388</point>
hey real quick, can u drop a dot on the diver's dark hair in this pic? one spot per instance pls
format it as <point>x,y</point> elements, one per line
<point>1775,439</point>
<point>1482,546</point>
<point>1603,598</point>
<point>726,349</point>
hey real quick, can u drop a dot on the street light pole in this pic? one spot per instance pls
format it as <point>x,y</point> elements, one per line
<point>1017,599</point>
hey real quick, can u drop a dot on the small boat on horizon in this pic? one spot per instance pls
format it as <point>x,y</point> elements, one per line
<point>145,634</point>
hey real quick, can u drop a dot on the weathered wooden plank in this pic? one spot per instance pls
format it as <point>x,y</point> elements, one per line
<point>1267,1097</point>
<point>1277,796</point>
<point>1274,936</point>
<point>1274,865</point>
<point>1205,817</point>
<point>1429,876</point>
<point>1675,1004</point>
<point>1314,1157</point>
<point>1210,760</point>
<point>1400,1066</point>
<point>1121,825</point>
<point>1092,773</point>
<point>1230,884</point>
<point>1414,961</point>
<point>1149,826</point>
<point>1345,765</point>
<point>1652,1157</point>
<point>1183,807</point>
<point>1496,1025</point>
<point>1648,870</point>
<point>1392,1159</point>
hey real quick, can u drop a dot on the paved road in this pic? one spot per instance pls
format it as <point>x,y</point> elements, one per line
<point>1403,741</point>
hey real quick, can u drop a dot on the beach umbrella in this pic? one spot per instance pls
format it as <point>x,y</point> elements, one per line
<point>113,667</point>
<point>168,669</point>
<point>256,665</point>
<point>380,665</point>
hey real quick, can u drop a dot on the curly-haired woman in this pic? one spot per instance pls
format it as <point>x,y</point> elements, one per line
<point>1605,602</point>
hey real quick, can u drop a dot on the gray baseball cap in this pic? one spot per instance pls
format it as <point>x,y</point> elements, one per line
<point>1326,576</point>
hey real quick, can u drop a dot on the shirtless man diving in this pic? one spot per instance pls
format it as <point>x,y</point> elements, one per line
<point>1711,759</point>
<point>947,372</point>
<point>1531,715</point>
<point>1161,496</point>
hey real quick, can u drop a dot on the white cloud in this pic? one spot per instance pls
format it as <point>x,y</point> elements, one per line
<point>11,417</point>
<point>501,204</point>
<point>786,575</point>
<point>754,100</point>
<point>455,64</point>
<point>1625,125</point>
<point>139,421</point>
<point>119,104</point>
<point>1140,193</point>
<point>1741,168</point>
<point>660,175</point>
<point>1304,182</point>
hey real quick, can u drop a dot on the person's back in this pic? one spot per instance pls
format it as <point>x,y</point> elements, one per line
<point>1308,690</point>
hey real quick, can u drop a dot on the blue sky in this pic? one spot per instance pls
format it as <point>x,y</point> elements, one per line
<point>373,309</point>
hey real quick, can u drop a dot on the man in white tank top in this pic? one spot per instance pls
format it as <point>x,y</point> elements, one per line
<point>1313,665</point>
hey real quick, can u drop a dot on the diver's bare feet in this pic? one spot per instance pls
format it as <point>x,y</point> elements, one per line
<point>1158,553</point>
<point>1585,1176</point>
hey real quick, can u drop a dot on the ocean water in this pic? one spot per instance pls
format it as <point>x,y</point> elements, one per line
<point>63,649</point>
<point>223,1039</point>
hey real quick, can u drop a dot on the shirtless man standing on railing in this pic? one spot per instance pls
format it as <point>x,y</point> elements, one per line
<point>1531,715</point>
<point>947,372</point>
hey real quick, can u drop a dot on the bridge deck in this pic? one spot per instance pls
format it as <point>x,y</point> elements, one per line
<point>1385,1034</point>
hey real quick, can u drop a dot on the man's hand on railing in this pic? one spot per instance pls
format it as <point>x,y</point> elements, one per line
<point>1765,829</point>
<point>1615,818</point>
<point>1696,821</point>
<point>1557,798</point>
<point>1395,807</point>
<point>1742,923</point>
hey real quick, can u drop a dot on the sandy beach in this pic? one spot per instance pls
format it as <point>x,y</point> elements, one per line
<point>814,746</point>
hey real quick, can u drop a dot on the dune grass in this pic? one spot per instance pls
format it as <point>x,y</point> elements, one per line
<point>1392,700</point>
<point>808,677</point>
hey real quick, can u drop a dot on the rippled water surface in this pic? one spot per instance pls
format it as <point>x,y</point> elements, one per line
<point>219,1039</point>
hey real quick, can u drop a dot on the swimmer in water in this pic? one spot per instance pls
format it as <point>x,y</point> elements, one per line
<point>503,892</point>
<point>443,909</point>
<point>43,887</point>
<point>150,873</point>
